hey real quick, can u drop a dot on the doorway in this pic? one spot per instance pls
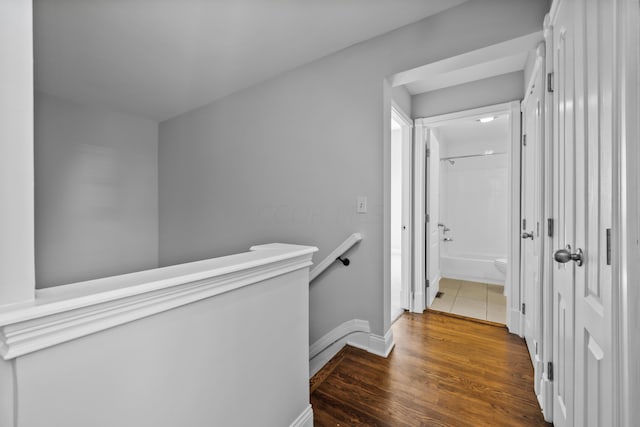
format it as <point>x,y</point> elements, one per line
<point>400,250</point>
<point>467,170</point>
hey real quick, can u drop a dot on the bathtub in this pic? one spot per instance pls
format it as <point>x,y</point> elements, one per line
<point>472,267</point>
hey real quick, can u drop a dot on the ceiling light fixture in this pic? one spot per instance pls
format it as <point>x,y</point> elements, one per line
<point>486,119</point>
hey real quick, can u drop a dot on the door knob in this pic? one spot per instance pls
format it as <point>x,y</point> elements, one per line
<point>564,255</point>
<point>527,235</point>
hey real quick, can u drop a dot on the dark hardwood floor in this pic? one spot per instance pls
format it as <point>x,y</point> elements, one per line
<point>444,371</point>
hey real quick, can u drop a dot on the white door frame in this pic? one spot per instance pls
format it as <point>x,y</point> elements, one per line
<point>407,236</point>
<point>626,215</point>
<point>537,147</point>
<point>512,284</point>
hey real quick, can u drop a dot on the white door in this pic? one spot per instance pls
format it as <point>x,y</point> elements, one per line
<point>594,138</point>
<point>433,230</point>
<point>531,210</point>
<point>564,213</point>
<point>583,133</point>
<point>400,213</point>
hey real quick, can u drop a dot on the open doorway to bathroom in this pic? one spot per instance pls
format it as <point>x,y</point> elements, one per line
<point>472,210</point>
<point>473,217</point>
<point>400,212</point>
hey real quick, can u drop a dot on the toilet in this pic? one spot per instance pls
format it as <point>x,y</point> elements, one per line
<point>501,265</point>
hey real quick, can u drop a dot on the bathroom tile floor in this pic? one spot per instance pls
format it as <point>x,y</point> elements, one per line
<point>472,299</point>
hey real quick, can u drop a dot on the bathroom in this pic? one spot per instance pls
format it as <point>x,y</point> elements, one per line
<point>473,216</point>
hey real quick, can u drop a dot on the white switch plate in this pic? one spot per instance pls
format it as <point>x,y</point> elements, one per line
<point>362,204</point>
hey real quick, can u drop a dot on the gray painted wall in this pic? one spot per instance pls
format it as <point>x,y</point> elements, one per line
<point>286,159</point>
<point>494,90</point>
<point>96,192</point>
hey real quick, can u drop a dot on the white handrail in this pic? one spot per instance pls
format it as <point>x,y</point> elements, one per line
<point>331,258</point>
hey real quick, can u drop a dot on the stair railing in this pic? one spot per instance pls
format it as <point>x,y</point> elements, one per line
<point>335,255</point>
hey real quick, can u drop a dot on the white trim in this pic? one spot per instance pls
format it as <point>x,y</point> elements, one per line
<point>305,419</point>
<point>474,113</point>
<point>406,208</point>
<point>471,278</point>
<point>512,283</point>
<point>331,258</point>
<point>341,331</point>
<point>433,289</point>
<point>356,333</point>
<point>401,114</point>
<point>626,216</point>
<point>419,212</point>
<point>548,247</point>
<point>540,55</point>
<point>381,345</point>
<point>65,313</point>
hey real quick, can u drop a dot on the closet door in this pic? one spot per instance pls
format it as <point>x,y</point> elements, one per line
<point>532,209</point>
<point>584,63</point>
<point>594,139</point>
<point>564,213</point>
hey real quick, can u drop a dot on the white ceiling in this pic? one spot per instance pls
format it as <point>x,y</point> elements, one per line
<point>160,58</point>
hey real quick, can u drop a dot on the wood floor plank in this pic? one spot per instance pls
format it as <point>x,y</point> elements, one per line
<point>444,371</point>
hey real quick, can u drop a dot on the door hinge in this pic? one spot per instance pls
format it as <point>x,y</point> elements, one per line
<point>426,218</point>
<point>608,246</point>
<point>550,227</point>
<point>524,224</point>
<point>550,371</point>
<point>426,283</point>
<point>550,82</point>
<point>524,140</point>
<point>523,308</point>
<point>428,152</point>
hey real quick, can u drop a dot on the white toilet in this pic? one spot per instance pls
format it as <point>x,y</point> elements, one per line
<point>501,265</point>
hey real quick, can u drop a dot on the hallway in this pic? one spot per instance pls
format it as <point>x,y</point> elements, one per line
<point>444,371</point>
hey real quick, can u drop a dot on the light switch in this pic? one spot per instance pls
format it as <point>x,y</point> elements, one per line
<point>362,204</point>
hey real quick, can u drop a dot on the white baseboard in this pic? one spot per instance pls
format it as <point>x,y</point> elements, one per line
<point>381,346</point>
<point>356,333</point>
<point>434,287</point>
<point>474,278</point>
<point>514,320</point>
<point>546,399</point>
<point>305,419</point>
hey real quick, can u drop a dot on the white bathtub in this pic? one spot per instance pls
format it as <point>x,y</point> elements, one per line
<point>475,268</point>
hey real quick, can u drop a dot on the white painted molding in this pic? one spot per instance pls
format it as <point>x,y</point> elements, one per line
<point>472,278</point>
<point>341,331</point>
<point>356,333</point>
<point>331,258</point>
<point>64,313</point>
<point>513,321</point>
<point>381,346</point>
<point>434,288</point>
<point>546,399</point>
<point>474,113</point>
<point>305,419</point>
<point>512,282</point>
<point>421,134</point>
